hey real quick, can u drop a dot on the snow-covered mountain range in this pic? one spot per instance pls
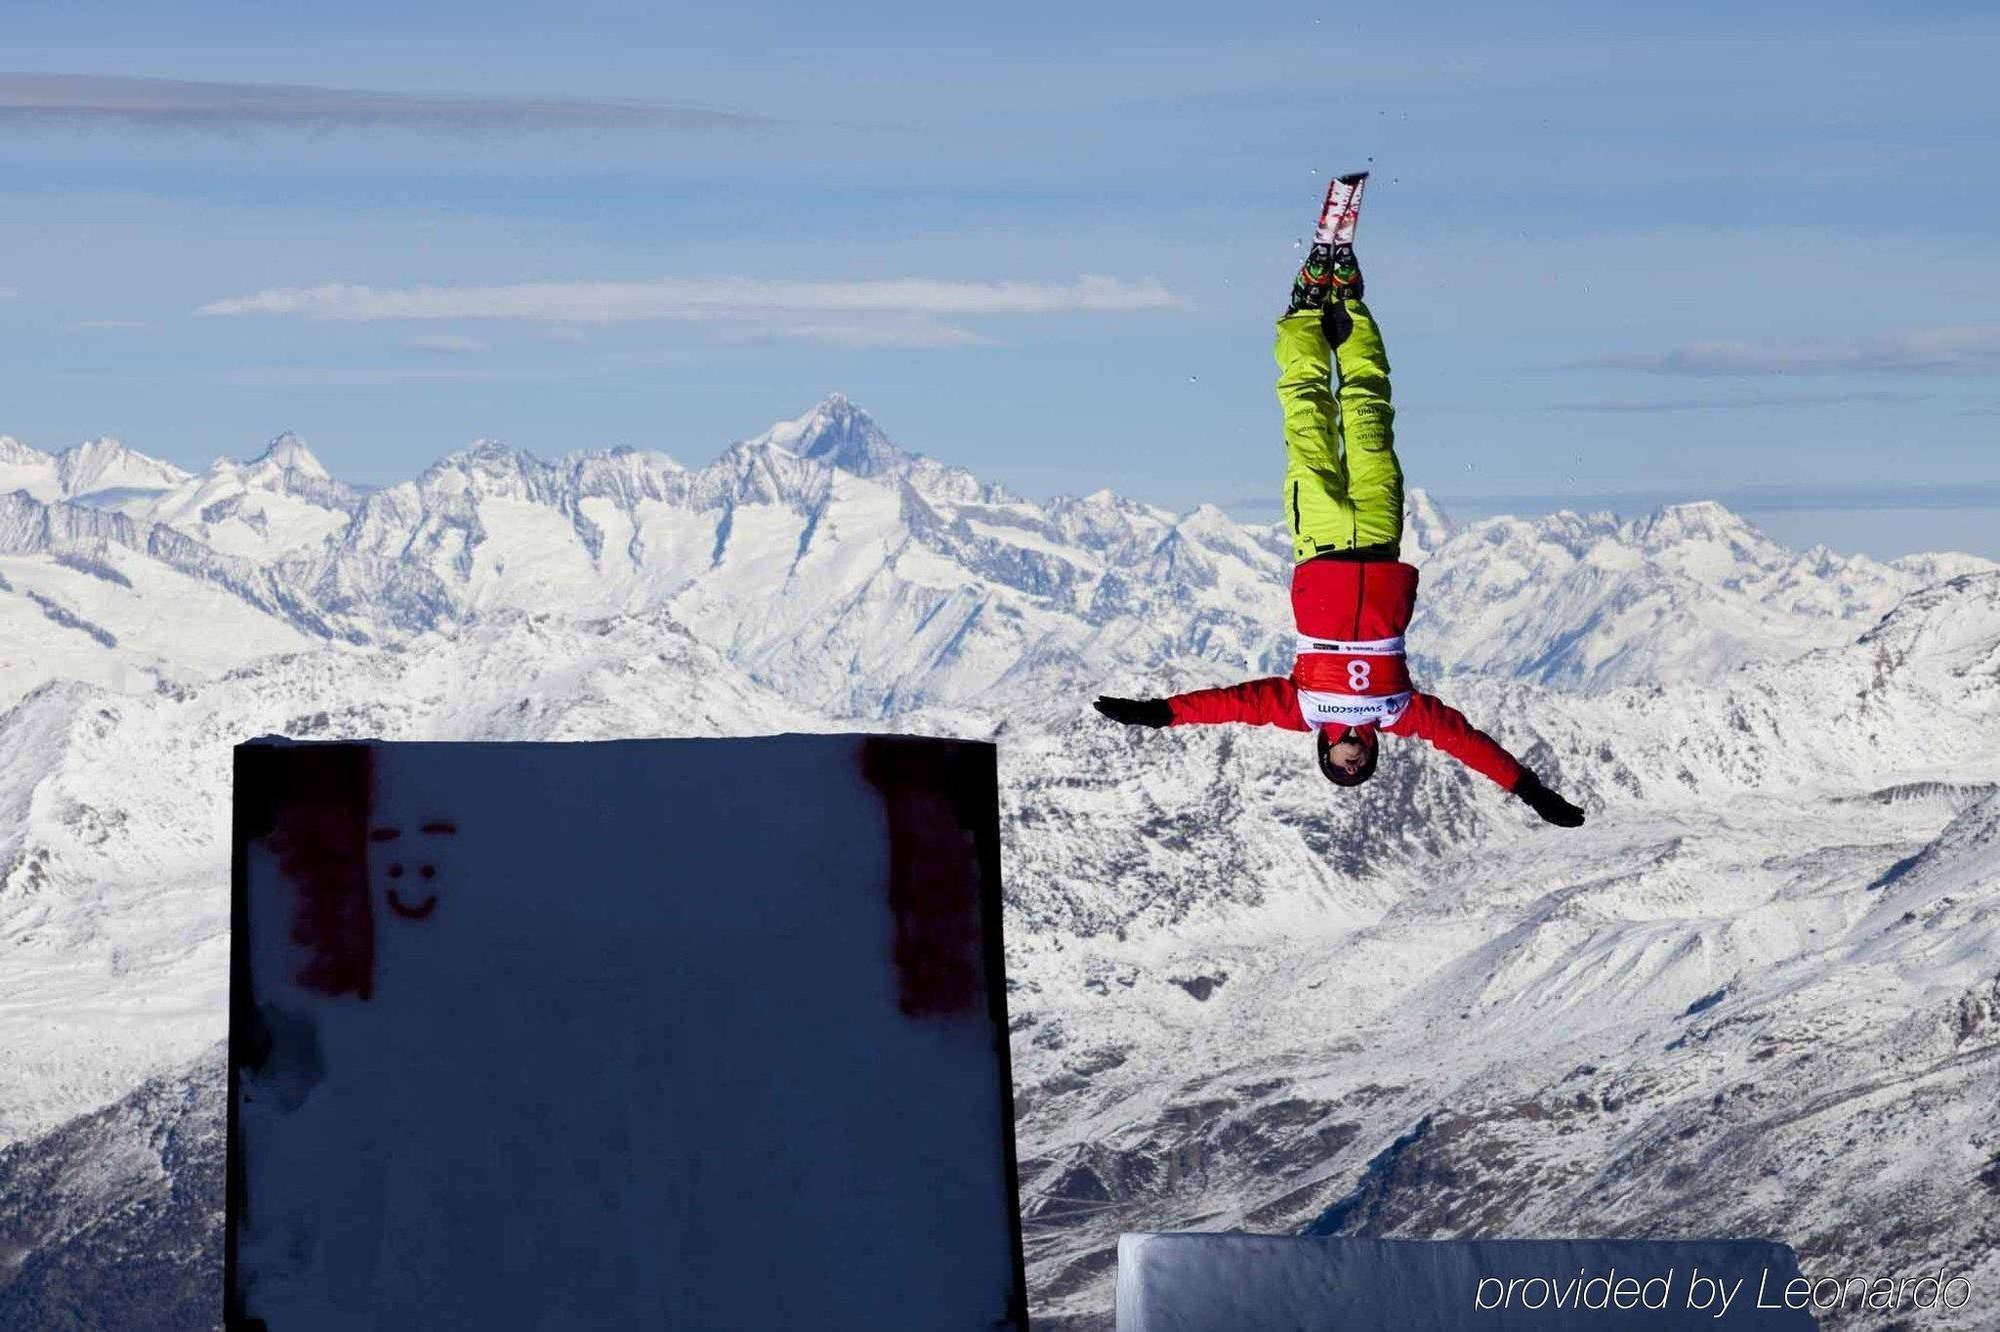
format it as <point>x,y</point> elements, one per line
<point>854,576</point>
<point>1755,995</point>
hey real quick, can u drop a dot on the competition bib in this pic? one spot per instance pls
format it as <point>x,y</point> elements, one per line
<point>1368,672</point>
<point>1327,708</point>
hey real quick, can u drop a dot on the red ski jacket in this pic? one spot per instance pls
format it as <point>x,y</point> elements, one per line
<point>1351,671</point>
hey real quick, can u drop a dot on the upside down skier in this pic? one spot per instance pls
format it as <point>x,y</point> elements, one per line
<point>1352,596</point>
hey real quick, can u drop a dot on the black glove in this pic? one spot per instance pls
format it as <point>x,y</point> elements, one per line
<point>1552,807</point>
<point>1136,711</point>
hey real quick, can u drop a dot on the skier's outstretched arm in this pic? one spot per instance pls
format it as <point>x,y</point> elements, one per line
<point>1273,701</point>
<point>1438,723</point>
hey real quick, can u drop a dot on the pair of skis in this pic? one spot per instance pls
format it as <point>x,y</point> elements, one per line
<point>1341,212</point>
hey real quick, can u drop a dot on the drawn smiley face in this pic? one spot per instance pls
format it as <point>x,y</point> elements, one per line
<point>418,900</point>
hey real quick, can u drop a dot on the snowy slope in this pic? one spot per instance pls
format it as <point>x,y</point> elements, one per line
<point>92,596</point>
<point>115,1219</point>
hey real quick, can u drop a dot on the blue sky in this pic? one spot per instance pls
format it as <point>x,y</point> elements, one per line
<point>1736,252</point>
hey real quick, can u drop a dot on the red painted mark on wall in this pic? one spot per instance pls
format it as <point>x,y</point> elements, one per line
<point>320,837</point>
<point>934,877</point>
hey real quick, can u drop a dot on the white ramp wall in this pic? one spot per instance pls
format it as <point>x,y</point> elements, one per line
<point>698,1034</point>
<point>1282,1283</point>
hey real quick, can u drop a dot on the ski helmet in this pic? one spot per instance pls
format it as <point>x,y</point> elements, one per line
<point>1339,776</point>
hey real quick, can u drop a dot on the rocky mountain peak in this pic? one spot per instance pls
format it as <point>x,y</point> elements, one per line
<point>483,457</point>
<point>14,453</point>
<point>1702,520</point>
<point>839,434</point>
<point>290,453</point>
<point>1426,526</point>
<point>1947,618</point>
<point>106,464</point>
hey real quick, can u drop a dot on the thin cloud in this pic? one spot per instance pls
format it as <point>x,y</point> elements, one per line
<point>362,376</point>
<point>1950,350</point>
<point>1733,402</point>
<point>109,323</point>
<point>700,299</point>
<point>1739,499</point>
<point>1779,499</point>
<point>907,312</point>
<point>893,332</point>
<point>69,100</point>
<point>1976,495</point>
<point>444,342</point>
<point>8,293</point>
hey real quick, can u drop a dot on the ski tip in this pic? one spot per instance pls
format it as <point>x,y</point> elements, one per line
<point>1352,178</point>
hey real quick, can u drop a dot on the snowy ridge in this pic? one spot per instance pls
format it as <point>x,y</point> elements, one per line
<point>1590,602</point>
<point>97,467</point>
<point>279,501</point>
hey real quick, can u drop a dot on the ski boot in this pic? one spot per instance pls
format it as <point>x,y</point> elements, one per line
<point>1330,274</point>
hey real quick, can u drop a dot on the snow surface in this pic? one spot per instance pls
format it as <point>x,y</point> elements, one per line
<point>636,1048</point>
<point>1256,1283</point>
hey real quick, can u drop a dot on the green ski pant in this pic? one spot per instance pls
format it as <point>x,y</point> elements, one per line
<point>1343,485</point>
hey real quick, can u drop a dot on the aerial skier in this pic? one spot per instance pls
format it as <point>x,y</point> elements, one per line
<point>1352,595</point>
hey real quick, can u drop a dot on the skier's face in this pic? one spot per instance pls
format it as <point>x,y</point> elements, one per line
<point>1348,755</point>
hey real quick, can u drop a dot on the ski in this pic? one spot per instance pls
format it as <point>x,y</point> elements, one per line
<point>1342,210</point>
